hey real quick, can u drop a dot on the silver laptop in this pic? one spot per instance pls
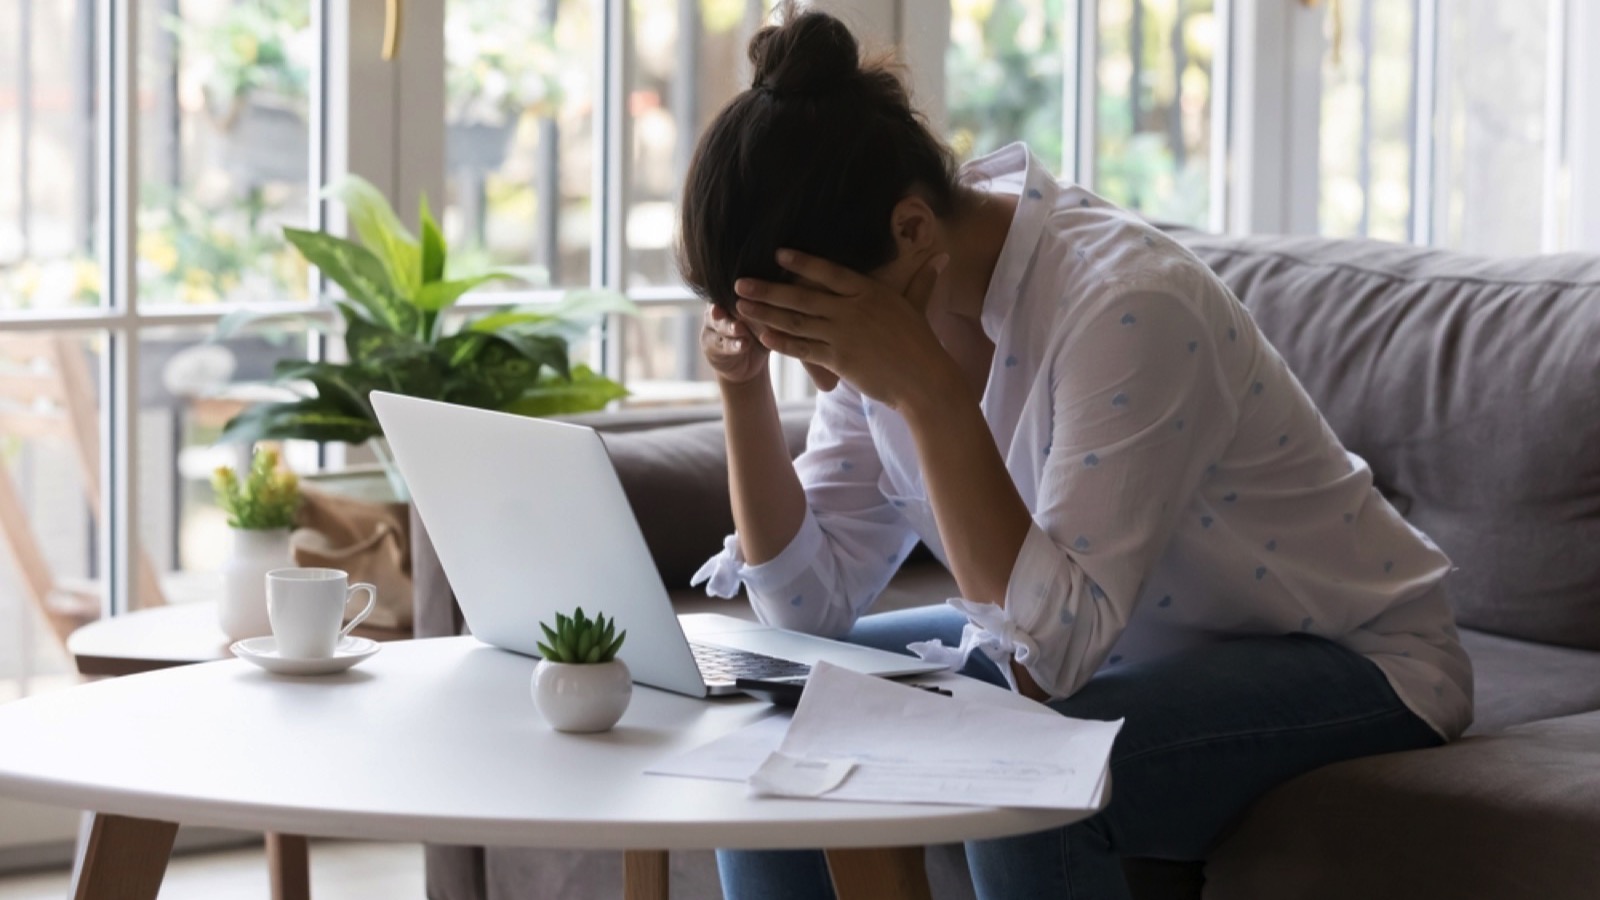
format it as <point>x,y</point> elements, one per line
<point>529,519</point>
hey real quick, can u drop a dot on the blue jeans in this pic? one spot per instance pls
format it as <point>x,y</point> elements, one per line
<point>1208,731</point>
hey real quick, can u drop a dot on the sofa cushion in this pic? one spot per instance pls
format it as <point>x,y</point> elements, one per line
<point>1521,681</point>
<point>676,479</point>
<point>1472,388</point>
<point>1508,816</point>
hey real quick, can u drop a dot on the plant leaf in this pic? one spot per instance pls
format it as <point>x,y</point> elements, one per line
<point>311,419</point>
<point>587,391</point>
<point>433,246</point>
<point>345,386</point>
<point>382,232</point>
<point>545,350</point>
<point>443,294</point>
<point>575,314</point>
<point>495,375</point>
<point>611,651</point>
<point>367,343</point>
<point>546,652</point>
<point>361,274</point>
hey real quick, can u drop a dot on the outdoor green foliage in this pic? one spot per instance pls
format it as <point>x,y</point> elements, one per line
<point>1005,77</point>
<point>266,499</point>
<point>397,338</point>
<point>257,45</point>
<point>579,639</point>
<point>203,253</point>
<point>1006,73</point>
<point>501,60</point>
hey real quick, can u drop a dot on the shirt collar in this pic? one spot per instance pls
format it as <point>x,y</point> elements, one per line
<point>1012,169</point>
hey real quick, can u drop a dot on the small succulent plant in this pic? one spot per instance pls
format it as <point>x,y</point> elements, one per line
<point>580,639</point>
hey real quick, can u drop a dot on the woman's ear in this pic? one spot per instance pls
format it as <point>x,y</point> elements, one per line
<point>914,227</point>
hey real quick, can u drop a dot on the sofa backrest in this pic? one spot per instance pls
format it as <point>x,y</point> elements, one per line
<point>1472,388</point>
<point>673,465</point>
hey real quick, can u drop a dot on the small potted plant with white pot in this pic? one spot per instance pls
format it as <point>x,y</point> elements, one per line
<point>580,685</point>
<point>261,509</point>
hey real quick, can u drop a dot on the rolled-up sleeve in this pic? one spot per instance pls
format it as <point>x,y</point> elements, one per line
<point>849,544</point>
<point>1140,413</point>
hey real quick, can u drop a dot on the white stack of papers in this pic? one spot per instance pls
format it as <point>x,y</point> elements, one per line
<point>861,738</point>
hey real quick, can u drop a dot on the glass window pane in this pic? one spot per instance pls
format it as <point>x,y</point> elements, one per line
<point>687,61</point>
<point>1004,78</point>
<point>1490,173</point>
<point>519,140</point>
<point>1153,107</point>
<point>663,362</point>
<point>224,149</point>
<point>189,387</point>
<point>1367,121</point>
<point>49,202</point>
<point>50,531</point>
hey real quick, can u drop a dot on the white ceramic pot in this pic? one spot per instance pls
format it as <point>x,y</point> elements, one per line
<point>242,611</point>
<point>582,698</point>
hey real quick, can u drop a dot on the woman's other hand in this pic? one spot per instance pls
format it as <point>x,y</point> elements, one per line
<point>851,326</point>
<point>737,356</point>
<point>731,349</point>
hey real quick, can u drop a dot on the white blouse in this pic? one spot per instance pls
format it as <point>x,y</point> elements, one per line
<point>1184,488</point>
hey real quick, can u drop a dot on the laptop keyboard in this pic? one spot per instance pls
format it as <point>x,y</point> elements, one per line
<point>722,665</point>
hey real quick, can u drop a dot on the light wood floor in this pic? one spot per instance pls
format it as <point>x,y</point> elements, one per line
<point>340,870</point>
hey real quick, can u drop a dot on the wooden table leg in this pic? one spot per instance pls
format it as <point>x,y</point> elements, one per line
<point>124,858</point>
<point>644,875</point>
<point>289,867</point>
<point>887,873</point>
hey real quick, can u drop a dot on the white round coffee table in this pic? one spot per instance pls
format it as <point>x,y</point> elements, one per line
<point>182,634</point>
<point>434,741</point>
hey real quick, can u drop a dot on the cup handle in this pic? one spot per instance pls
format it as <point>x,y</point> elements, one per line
<point>372,602</point>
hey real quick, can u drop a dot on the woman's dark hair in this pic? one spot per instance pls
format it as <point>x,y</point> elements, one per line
<point>813,156</point>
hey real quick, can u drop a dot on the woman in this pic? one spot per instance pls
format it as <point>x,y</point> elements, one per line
<point>1144,512</point>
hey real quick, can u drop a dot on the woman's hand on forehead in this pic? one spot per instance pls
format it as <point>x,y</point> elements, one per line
<point>850,325</point>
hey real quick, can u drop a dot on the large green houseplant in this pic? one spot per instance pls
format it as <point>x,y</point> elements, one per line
<point>400,336</point>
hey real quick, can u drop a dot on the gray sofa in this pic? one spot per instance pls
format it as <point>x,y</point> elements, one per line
<point>1473,389</point>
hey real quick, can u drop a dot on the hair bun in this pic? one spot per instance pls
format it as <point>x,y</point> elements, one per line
<point>809,54</point>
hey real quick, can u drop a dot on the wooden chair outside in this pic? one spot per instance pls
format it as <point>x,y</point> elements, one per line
<point>47,393</point>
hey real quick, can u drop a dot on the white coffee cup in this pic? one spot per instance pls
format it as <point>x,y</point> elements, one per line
<point>305,607</point>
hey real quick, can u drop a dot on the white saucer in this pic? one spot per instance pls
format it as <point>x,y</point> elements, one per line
<point>263,651</point>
